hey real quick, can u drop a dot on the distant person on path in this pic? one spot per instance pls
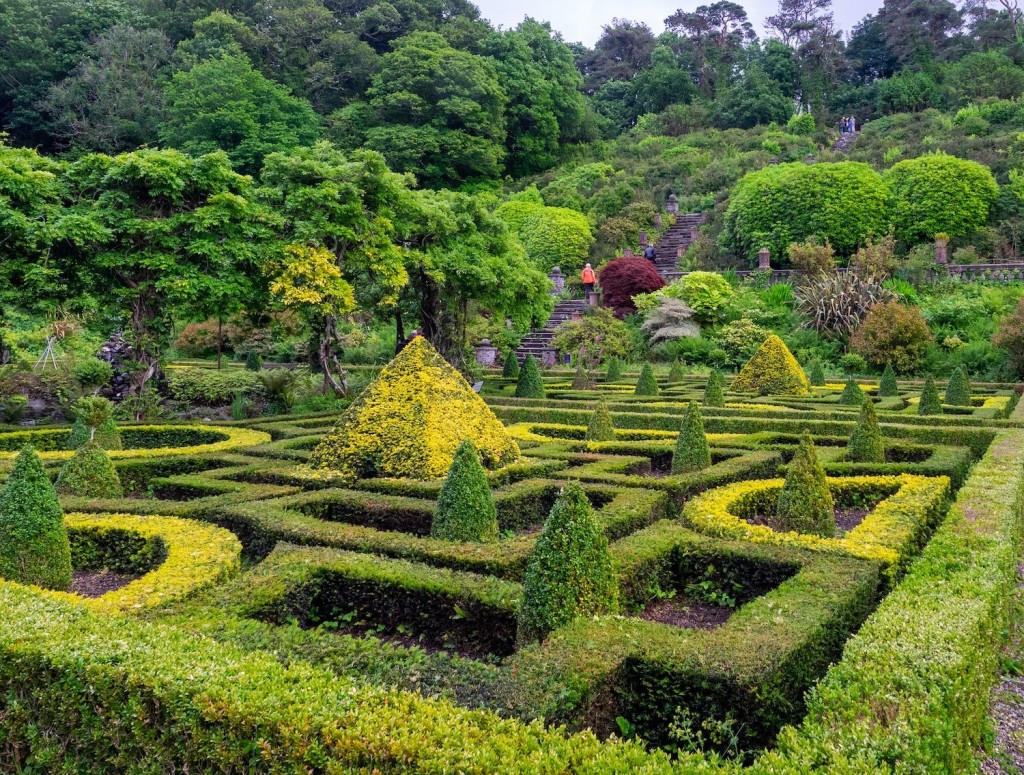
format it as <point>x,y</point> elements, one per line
<point>589,279</point>
<point>650,254</point>
<point>853,125</point>
<point>412,335</point>
<point>844,122</point>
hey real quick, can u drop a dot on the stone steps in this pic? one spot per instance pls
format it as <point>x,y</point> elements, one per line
<point>538,340</point>
<point>680,235</point>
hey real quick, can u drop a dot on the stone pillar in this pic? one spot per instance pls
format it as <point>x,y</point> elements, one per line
<point>593,299</point>
<point>558,280</point>
<point>576,316</point>
<point>548,357</point>
<point>694,233</point>
<point>643,239</point>
<point>941,250</point>
<point>628,253</point>
<point>486,354</point>
<point>672,206</point>
<point>764,260</point>
<point>680,251</point>
<point>657,220</point>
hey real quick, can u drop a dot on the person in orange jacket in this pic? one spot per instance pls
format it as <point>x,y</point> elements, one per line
<point>589,279</point>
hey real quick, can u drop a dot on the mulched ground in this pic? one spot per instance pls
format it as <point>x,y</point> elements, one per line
<point>96,584</point>
<point>846,520</point>
<point>689,614</point>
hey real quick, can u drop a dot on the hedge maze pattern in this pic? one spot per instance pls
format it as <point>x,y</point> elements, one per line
<point>405,646</point>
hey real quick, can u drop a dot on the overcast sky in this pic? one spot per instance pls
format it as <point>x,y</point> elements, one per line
<point>581,20</point>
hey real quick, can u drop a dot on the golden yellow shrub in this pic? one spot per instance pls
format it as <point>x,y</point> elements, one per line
<point>772,371</point>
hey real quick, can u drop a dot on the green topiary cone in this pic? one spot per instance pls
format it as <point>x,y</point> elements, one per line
<point>34,547</point>
<point>675,375</point>
<point>89,474</point>
<point>691,452</point>
<point>866,440</point>
<point>714,393</point>
<point>530,384</point>
<point>108,436</point>
<point>930,402</point>
<point>253,361</point>
<point>79,435</point>
<point>601,427</point>
<point>805,504</point>
<point>852,395</point>
<point>511,368</point>
<point>614,373</point>
<point>817,374</point>
<point>958,391</point>
<point>570,571</point>
<point>465,510</point>
<point>887,386</point>
<point>647,385</point>
<point>581,380</point>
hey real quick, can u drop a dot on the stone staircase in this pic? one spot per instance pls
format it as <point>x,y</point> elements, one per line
<point>845,142</point>
<point>677,239</point>
<point>535,342</point>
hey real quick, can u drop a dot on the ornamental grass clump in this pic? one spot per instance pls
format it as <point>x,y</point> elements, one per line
<point>465,510</point>
<point>691,452</point>
<point>570,571</point>
<point>511,368</point>
<point>852,395</point>
<point>817,374</point>
<point>34,546</point>
<point>601,427</point>
<point>614,372</point>
<point>410,420</point>
<point>958,390</point>
<point>772,371</point>
<point>887,386</point>
<point>805,504</point>
<point>866,440</point>
<point>647,385</point>
<point>930,402</point>
<point>90,474</point>
<point>530,384</point>
<point>714,392</point>
<point>675,374</point>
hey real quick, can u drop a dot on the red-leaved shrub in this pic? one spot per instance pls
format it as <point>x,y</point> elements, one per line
<point>624,278</point>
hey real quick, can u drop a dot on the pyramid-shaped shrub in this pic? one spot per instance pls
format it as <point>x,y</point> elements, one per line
<point>646,385</point>
<point>90,474</point>
<point>852,395</point>
<point>529,384</point>
<point>866,444</point>
<point>465,510</point>
<point>410,420</point>
<point>34,547</point>
<point>675,374</point>
<point>772,371</point>
<point>614,372</point>
<point>887,386</point>
<point>714,393</point>
<point>601,427</point>
<point>511,368</point>
<point>817,374</point>
<point>958,390</point>
<point>570,571</point>
<point>805,504</point>
<point>930,402</point>
<point>691,452</point>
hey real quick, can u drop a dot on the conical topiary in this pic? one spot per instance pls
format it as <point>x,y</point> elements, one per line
<point>601,427</point>
<point>34,547</point>
<point>805,504</point>
<point>530,384</point>
<point>958,391</point>
<point>89,474</point>
<point>79,434</point>
<point>930,402</point>
<point>817,374</point>
<point>465,510</point>
<point>108,436</point>
<point>570,571</point>
<point>691,452</point>
<point>852,395</point>
<point>647,385</point>
<point>887,386</point>
<point>772,371</point>
<point>714,393</point>
<point>866,440</point>
<point>581,379</point>
<point>511,368</point>
<point>409,421</point>
<point>614,373</point>
<point>253,361</point>
<point>675,375</point>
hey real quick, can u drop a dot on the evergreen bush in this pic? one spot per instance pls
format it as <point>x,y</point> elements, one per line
<point>601,427</point>
<point>253,361</point>
<point>852,395</point>
<point>646,385</point>
<point>465,510</point>
<point>510,370</point>
<point>614,373</point>
<point>570,571</point>
<point>90,474</point>
<point>530,384</point>
<point>79,434</point>
<point>714,392</point>
<point>805,504</point>
<point>772,371</point>
<point>675,375</point>
<point>866,440</point>
<point>817,375</point>
<point>691,452</point>
<point>930,402</point>
<point>108,436</point>
<point>34,546</point>
<point>581,379</point>
<point>958,390</point>
<point>887,386</point>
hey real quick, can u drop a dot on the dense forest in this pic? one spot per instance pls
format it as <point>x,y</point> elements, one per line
<point>312,179</point>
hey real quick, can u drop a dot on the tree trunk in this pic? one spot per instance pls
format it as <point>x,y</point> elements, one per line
<point>147,363</point>
<point>399,330</point>
<point>334,376</point>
